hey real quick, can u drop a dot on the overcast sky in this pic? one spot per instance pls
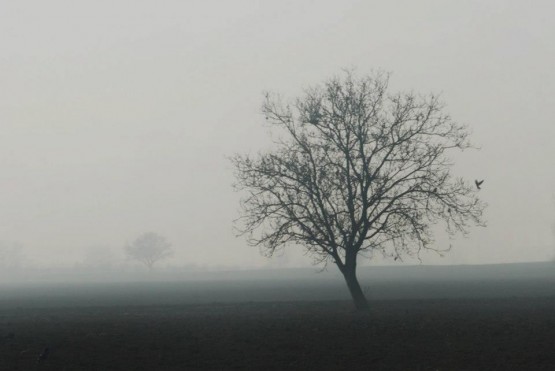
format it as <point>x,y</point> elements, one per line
<point>116,117</point>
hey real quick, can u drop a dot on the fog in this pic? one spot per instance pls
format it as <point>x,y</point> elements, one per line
<point>117,118</point>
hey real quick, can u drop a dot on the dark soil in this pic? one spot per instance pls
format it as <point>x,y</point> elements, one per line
<point>485,334</point>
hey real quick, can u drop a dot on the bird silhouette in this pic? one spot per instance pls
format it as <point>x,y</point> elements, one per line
<point>478,183</point>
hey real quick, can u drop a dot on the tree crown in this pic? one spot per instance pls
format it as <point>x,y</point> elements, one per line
<point>149,248</point>
<point>356,170</point>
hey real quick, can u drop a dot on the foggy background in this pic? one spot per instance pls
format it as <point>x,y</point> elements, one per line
<point>116,117</point>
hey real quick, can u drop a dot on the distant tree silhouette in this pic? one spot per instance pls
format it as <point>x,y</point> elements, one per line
<point>148,249</point>
<point>355,170</point>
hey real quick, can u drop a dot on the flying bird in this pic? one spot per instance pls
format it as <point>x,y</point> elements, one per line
<point>478,183</point>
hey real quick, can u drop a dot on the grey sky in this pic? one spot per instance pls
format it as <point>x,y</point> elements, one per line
<point>116,116</point>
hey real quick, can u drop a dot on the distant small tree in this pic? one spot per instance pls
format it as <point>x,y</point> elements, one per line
<point>355,170</point>
<point>148,249</point>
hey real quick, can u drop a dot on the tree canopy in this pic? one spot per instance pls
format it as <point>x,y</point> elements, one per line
<point>355,170</point>
<point>149,248</point>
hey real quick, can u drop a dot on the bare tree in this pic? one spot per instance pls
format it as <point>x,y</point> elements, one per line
<point>355,171</point>
<point>149,248</point>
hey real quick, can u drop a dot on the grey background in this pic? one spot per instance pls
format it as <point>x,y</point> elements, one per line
<point>116,116</point>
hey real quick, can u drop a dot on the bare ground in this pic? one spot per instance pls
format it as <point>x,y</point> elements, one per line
<point>454,334</point>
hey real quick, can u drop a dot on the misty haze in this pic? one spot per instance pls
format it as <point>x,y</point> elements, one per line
<point>277,185</point>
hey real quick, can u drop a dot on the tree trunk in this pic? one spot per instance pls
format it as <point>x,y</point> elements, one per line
<point>361,304</point>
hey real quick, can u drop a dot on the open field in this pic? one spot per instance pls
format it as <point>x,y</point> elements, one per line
<point>414,324</point>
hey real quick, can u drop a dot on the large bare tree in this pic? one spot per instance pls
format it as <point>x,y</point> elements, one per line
<point>355,170</point>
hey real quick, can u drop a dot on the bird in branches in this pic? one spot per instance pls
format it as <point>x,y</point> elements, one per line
<point>478,183</point>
